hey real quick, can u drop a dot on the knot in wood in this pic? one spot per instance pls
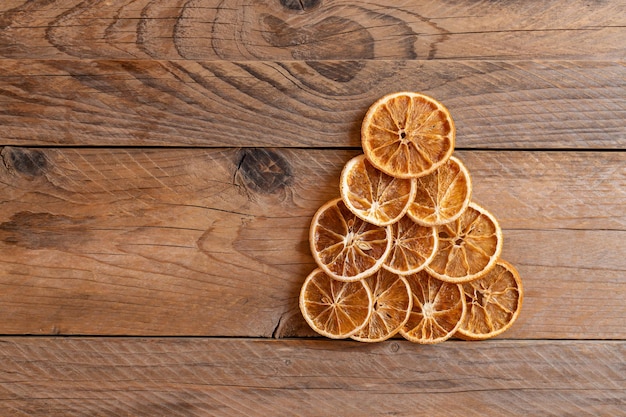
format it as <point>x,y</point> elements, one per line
<point>29,162</point>
<point>299,5</point>
<point>264,171</point>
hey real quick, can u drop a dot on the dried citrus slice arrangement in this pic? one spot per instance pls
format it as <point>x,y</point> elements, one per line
<point>404,249</point>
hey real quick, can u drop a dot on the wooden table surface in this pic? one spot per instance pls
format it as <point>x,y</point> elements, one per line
<point>161,161</point>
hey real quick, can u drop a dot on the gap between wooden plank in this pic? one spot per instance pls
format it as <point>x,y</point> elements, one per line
<point>333,148</point>
<point>310,338</point>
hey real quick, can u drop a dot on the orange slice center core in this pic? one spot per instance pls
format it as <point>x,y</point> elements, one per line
<point>428,310</point>
<point>352,239</point>
<point>483,298</point>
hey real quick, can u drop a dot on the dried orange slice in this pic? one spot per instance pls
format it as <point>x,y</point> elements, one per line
<point>468,247</point>
<point>438,309</point>
<point>407,134</point>
<point>372,195</point>
<point>346,247</point>
<point>391,305</point>
<point>442,195</point>
<point>413,247</point>
<point>333,308</point>
<point>493,303</point>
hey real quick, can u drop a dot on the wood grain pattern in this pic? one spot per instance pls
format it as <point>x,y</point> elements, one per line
<point>214,242</point>
<point>520,104</point>
<point>217,377</point>
<point>160,162</point>
<point>311,30</point>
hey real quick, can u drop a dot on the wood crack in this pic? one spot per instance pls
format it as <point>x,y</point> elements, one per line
<point>276,332</point>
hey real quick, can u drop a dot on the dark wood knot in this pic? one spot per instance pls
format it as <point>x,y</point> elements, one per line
<point>29,162</point>
<point>264,171</point>
<point>299,5</point>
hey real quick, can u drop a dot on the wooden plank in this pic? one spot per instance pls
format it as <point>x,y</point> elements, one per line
<point>498,104</point>
<point>217,377</point>
<point>285,30</point>
<point>214,241</point>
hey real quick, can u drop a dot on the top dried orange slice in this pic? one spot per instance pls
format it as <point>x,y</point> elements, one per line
<point>407,135</point>
<point>391,305</point>
<point>493,303</point>
<point>345,246</point>
<point>468,247</point>
<point>442,195</point>
<point>332,308</point>
<point>373,195</point>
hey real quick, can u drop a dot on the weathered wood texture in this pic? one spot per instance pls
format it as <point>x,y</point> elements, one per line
<point>166,156</point>
<point>312,29</point>
<point>495,104</point>
<point>214,242</point>
<point>219,377</point>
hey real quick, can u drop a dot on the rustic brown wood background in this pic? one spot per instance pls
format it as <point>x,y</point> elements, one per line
<point>161,161</point>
